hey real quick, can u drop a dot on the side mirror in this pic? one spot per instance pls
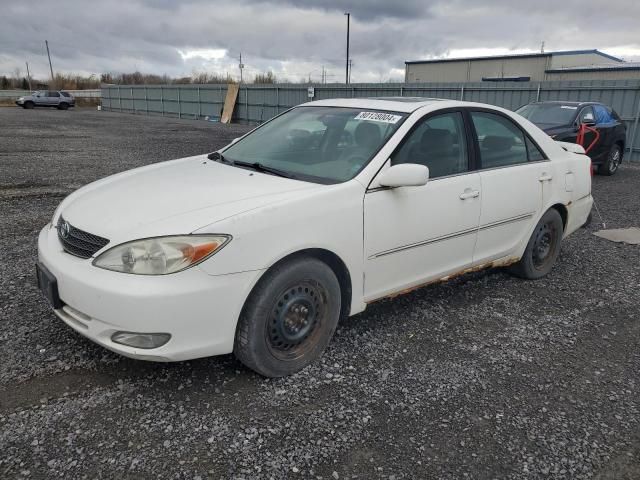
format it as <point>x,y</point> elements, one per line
<point>405,175</point>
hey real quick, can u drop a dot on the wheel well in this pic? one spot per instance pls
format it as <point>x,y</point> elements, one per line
<point>339,269</point>
<point>562,210</point>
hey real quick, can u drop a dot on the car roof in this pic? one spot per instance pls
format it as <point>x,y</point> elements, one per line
<point>395,104</point>
<point>560,102</point>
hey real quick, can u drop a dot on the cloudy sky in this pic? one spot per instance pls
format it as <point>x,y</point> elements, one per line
<point>296,38</point>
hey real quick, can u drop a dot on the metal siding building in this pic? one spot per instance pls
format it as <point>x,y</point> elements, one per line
<point>535,67</point>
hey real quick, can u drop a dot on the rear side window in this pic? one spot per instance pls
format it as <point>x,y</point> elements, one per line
<point>603,115</point>
<point>53,94</point>
<point>501,142</point>
<point>439,143</point>
<point>535,155</point>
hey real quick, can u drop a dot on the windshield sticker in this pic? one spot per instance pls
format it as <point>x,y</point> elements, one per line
<point>569,107</point>
<point>378,117</point>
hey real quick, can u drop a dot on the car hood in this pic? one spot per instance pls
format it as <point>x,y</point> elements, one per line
<point>176,197</point>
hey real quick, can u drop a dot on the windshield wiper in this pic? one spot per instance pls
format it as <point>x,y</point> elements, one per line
<point>259,167</point>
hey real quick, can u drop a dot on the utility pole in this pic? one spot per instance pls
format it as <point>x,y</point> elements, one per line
<point>324,79</point>
<point>46,42</point>
<point>241,65</point>
<point>28,75</point>
<point>346,73</point>
<point>350,68</point>
<point>542,47</point>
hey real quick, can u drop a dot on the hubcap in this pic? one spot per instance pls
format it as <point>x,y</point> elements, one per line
<point>543,245</point>
<point>294,320</point>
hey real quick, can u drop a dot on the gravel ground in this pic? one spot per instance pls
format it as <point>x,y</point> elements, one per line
<point>484,377</point>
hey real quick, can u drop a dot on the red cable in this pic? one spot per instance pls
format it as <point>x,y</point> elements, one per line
<point>580,138</point>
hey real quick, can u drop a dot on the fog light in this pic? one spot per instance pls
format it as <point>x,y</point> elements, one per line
<point>141,340</point>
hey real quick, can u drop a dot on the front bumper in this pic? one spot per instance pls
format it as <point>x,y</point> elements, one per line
<point>198,310</point>
<point>20,103</point>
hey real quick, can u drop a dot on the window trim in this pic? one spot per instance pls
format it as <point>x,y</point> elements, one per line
<point>478,165</point>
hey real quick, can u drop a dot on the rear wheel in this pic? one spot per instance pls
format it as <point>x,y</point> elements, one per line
<point>611,164</point>
<point>63,106</point>
<point>29,105</point>
<point>543,248</point>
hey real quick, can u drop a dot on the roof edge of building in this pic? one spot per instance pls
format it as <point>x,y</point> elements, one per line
<point>516,55</point>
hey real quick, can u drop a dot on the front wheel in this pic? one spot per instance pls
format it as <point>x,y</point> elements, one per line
<point>543,248</point>
<point>289,318</point>
<point>28,105</point>
<point>611,164</point>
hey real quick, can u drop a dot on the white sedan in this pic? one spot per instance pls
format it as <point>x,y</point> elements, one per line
<point>260,248</point>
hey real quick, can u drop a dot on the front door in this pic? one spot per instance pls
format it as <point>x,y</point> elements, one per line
<point>41,98</point>
<point>413,235</point>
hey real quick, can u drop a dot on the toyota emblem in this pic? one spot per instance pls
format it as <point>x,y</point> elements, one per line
<point>65,228</point>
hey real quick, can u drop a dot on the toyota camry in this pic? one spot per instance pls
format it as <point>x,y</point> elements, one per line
<point>261,247</point>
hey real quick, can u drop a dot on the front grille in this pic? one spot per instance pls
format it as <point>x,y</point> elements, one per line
<point>78,242</point>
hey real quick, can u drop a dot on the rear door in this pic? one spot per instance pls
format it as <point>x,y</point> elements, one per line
<point>606,125</point>
<point>515,177</point>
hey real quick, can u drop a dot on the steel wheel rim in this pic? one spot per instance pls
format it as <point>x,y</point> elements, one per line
<point>615,161</point>
<point>292,329</point>
<point>544,245</point>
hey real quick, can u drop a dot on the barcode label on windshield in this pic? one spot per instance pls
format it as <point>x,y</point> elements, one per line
<point>378,117</point>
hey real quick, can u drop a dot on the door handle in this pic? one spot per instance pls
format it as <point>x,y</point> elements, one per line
<point>468,193</point>
<point>545,177</point>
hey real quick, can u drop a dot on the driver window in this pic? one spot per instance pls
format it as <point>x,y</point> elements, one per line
<point>586,115</point>
<point>439,143</point>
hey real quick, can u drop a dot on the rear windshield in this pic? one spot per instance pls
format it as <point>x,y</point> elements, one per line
<point>548,114</point>
<point>65,94</point>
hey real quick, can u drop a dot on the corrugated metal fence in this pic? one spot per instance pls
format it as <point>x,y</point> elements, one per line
<point>258,103</point>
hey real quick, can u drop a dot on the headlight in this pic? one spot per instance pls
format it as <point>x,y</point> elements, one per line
<point>161,255</point>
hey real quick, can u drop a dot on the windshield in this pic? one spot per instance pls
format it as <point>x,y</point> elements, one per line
<point>318,144</point>
<point>548,114</point>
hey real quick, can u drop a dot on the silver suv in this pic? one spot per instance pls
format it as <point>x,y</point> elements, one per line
<point>47,98</point>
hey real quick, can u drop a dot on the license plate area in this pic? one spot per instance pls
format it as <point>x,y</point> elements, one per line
<point>48,285</point>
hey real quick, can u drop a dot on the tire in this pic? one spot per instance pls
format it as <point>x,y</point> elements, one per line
<point>543,248</point>
<point>63,106</point>
<point>289,318</point>
<point>611,164</point>
<point>28,105</point>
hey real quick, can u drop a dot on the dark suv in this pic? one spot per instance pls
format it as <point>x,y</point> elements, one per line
<point>563,121</point>
<point>47,98</point>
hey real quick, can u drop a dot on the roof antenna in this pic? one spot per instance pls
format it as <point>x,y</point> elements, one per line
<point>542,47</point>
